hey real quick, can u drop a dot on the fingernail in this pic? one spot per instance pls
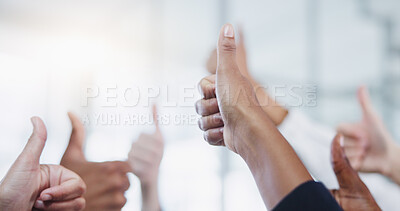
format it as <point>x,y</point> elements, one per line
<point>46,197</point>
<point>228,31</point>
<point>39,204</point>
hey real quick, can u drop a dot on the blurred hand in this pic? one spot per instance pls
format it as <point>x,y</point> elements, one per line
<point>146,154</point>
<point>226,96</point>
<point>106,181</point>
<point>145,157</point>
<point>352,193</point>
<point>29,185</point>
<point>367,143</point>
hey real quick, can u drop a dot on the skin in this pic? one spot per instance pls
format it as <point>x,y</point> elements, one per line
<point>352,194</point>
<point>106,181</point>
<point>31,186</point>
<point>247,130</point>
<point>276,112</point>
<point>145,157</point>
<point>368,143</point>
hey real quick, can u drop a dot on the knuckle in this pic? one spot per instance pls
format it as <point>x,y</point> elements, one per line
<point>198,106</point>
<point>79,204</point>
<point>82,188</point>
<point>117,183</point>
<point>228,45</point>
<point>120,200</point>
<point>207,136</point>
<point>108,167</point>
<point>201,123</point>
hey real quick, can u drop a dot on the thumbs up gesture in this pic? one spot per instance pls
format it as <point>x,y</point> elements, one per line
<point>145,157</point>
<point>368,143</point>
<point>227,96</point>
<point>146,153</point>
<point>106,181</point>
<point>29,185</point>
<point>233,117</point>
<point>352,193</point>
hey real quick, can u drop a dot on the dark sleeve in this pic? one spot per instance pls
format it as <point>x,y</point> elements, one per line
<point>309,196</point>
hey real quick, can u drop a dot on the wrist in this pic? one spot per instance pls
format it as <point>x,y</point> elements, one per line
<point>253,126</point>
<point>6,203</point>
<point>391,167</point>
<point>150,200</point>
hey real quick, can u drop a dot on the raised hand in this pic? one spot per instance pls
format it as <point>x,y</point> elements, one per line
<point>233,92</point>
<point>352,193</point>
<point>368,144</point>
<point>233,117</point>
<point>145,157</point>
<point>275,111</point>
<point>29,185</point>
<point>106,181</point>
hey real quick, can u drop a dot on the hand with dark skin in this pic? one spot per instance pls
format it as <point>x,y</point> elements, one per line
<point>31,186</point>
<point>232,117</point>
<point>276,112</point>
<point>106,181</point>
<point>352,194</point>
<point>368,143</point>
<point>145,157</point>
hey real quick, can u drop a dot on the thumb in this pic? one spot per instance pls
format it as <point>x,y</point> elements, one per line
<point>345,174</point>
<point>33,149</point>
<point>74,150</point>
<point>226,52</point>
<point>365,101</point>
<point>155,120</point>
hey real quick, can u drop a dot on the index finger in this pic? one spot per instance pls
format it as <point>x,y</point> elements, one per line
<point>207,87</point>
<point>122,166</point>
<point>70,187</point>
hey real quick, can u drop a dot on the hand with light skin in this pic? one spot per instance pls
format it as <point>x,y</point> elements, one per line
<point>232,117</point>
<point>352,193</point>
<point>145,157</point>
<point>368,143</point>
<point>106,181</point>
<point>29,185</point>
<point>276,112</point>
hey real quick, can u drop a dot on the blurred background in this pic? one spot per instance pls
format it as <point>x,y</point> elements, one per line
<point>53,54</point>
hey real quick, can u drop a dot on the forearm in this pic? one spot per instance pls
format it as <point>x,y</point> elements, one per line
<point>150,200</point>
<point>275,166</point>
